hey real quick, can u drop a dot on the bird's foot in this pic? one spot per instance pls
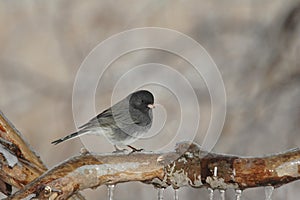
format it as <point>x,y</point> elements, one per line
<point>133,149</point>
<point>117,150</point>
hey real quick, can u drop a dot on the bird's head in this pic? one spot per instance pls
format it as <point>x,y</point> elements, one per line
<point>142,100</point>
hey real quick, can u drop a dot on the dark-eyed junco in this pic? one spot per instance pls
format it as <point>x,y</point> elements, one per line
<point>123,123</point>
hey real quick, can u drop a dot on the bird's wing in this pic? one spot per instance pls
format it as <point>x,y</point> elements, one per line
<point>103,119</point>
<point>115,117</point>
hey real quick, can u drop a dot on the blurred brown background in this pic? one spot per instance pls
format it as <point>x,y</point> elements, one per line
<point>255,44</point>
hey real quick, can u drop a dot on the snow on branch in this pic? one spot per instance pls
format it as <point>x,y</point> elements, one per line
<point>187,165</point>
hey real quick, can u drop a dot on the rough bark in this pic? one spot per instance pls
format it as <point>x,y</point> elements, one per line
<point>188,165</point>
<point>19,164</point>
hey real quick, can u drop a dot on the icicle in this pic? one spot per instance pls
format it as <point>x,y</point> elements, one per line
<point>210,193</point>
<point>222,194</point>
<point>216,171</point>
<point>268,192</point>
<point>238,194</point>
<point>111,191</point>
<point>176,197</point>
<point>161,193</point>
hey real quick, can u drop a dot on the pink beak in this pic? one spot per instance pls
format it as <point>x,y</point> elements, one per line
<point>151,106</point>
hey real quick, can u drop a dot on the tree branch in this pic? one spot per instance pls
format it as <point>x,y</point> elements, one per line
<point>19,164</point>
<point>18,144</point>
<point>188,165</point>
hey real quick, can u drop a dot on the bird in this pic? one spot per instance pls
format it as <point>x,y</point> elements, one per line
<point>121,124</point>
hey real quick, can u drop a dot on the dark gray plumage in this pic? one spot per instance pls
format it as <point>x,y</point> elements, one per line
<point>123,123</point>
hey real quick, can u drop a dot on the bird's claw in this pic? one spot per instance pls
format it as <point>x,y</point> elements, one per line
<point>133,149</point>
<point>117,150</point>
<point>120,151</point>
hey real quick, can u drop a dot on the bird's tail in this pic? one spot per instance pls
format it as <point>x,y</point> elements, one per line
<point>68,137</point>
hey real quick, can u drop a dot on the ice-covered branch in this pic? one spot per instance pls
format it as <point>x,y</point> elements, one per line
<point>188,165</point>
<point>19,164</point>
